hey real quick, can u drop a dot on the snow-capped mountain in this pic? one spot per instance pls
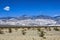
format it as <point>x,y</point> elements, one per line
<point>40,20</point>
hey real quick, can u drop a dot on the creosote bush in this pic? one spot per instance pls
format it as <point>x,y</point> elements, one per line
<point>29,28</point>
<point>56,29</point>
<point>49,29</point>
<point>23,32</point>
<point>10,30</point>
<point>44,37</point>
<point>42,33</point>
<point>1,32</point>
<point>45,27</point>
<point>39,29</point>
<point>16,29</point>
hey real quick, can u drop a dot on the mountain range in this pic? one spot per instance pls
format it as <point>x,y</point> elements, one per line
<point>40,20</point>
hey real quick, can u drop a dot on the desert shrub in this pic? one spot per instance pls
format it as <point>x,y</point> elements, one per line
<point>45,27</point>
<point>10,30</point>
<point>16,29</point>
<point>23,32</point>
<point>56,29</point>
<point>49,29</point>
<point>1,32</point>
<point>42,34</point>
<point>39,29</point>
<point>44,37</point>
<point>29,28</point>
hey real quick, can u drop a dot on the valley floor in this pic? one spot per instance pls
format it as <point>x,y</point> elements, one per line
<point>42,33</point>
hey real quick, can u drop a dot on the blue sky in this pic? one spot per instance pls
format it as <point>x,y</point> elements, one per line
<point>29,7</point>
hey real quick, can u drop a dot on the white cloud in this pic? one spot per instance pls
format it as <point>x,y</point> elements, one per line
<point>7,8</point>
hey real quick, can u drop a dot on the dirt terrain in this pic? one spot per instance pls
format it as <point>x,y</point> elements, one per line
<point>41,33</point>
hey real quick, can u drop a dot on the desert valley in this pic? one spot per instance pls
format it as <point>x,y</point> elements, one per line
<point>30,33</point>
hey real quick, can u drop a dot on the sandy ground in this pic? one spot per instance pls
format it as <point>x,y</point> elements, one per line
<point>30,34</point>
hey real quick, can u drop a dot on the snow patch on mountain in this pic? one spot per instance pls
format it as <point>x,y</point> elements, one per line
<point>29,22</point>
<point>40,20</point>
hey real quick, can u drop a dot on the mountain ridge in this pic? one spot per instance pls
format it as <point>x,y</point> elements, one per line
<point>31,20</point>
